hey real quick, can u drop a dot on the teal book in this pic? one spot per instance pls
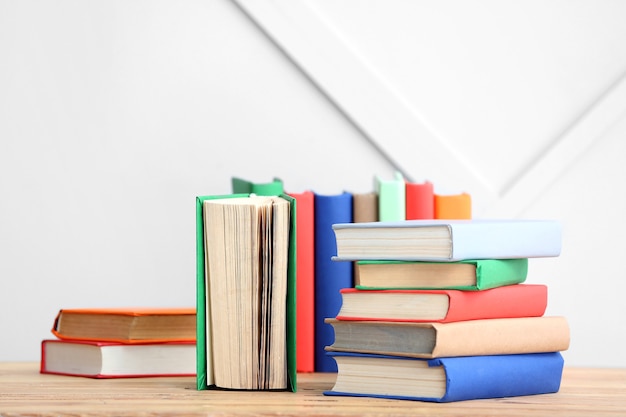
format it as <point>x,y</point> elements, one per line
<point>243,186</point>
<point>239,286</point>
<point>470,275</point>
<point>447,379</point>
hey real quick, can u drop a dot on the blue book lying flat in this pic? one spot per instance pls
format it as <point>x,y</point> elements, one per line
<point>447,379</point>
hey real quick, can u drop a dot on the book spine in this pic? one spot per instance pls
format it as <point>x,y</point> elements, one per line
<point>420,201</point>
<point>330,277</point>
<point>305,307</point>
<point>391,198</point>
<point>456,206</point>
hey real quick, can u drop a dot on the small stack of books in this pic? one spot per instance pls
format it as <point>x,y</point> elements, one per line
<point>440,311</point>
<point>121,343</point>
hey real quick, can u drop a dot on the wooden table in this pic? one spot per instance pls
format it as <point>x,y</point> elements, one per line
<point>24,392</point>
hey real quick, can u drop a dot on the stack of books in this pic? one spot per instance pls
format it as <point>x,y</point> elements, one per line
<point>441,311</point>
<point>121,343</point>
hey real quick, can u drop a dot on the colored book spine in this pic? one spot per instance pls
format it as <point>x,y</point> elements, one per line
<point>391,198</point>
<point>420,201</point>
<point>242,186</point>
<point>455,206</point>
<point>305,288</point>
<point>330,276</point>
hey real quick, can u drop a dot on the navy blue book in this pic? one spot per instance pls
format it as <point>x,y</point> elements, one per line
<point>330,276</point>
<point>447,379</point>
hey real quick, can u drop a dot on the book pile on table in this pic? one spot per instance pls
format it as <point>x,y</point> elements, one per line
<point>441,312</point>
<point>121,343</point>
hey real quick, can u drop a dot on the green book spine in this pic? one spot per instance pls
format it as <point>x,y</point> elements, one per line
<point>391,198</point>
<point>490,273</point>
<point>241,186</point>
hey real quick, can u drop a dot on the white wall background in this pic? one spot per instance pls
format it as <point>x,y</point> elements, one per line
<point>114,115</point>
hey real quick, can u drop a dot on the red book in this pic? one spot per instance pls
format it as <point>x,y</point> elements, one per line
<point>420,201</point>
<point>305,288</point>
<point>519,300</point>
<point>117,360</point>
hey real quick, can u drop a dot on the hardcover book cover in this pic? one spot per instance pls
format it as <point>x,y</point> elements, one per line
<point>204,366</point>
<point>519,300</point>
<point>305,298</point>
<point>242,186</point>
<point>102,360</point>
<point>420,200</point>
<point>454,206</point>
<point>330,276</point>
<point>391,198</point>
<point>448,240</point>
<point>499,336</point>
<point>126,324</point>
<point>447,379</point>
<point>483,273</point>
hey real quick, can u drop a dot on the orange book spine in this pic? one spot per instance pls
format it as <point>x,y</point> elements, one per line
<point>305,288</point>
<point>457,206</point>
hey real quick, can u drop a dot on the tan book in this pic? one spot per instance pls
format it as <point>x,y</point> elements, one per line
<point>464,338</point>
<point>365,207</point>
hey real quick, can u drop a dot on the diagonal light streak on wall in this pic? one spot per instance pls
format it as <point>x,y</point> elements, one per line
<point>397,130</point>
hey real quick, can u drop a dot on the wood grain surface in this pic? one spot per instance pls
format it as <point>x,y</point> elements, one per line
<point>25,392</point>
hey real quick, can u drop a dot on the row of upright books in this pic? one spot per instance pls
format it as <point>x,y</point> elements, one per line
<point>121,343</point>
<point>441,311</point>
<point>319,279</point>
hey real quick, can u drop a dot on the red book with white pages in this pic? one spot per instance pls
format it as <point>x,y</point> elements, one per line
<point>518,300</point>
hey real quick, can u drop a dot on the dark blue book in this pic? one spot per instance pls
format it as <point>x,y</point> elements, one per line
<point>447,379</point>
<point>330,276</point>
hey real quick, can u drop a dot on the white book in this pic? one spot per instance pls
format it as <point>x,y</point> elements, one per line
<point>448,240</point>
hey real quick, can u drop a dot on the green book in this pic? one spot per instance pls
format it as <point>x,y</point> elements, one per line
<point>391,198</point>
<point>205,353</point>
<point>471,275</point>
<point>242,186</point>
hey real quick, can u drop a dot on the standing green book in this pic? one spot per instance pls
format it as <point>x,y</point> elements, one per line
<point>246,275</point>
<point>469,275</point>
<point>243,186</point>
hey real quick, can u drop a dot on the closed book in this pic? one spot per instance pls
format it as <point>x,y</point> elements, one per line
<point>420,200</point>
<point>447,240</point>
<point>470,275</point>
<point>447,379</point>
<point>330,277</point>
<point>453,206</point>
<point>243,186</point>
<point>305,286</point>
<point>391,198</point>
<point>117,360</point>
<point>519,300</point>
<point>365,207</point>
<point>126,324</point>
<point>462,338</point>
